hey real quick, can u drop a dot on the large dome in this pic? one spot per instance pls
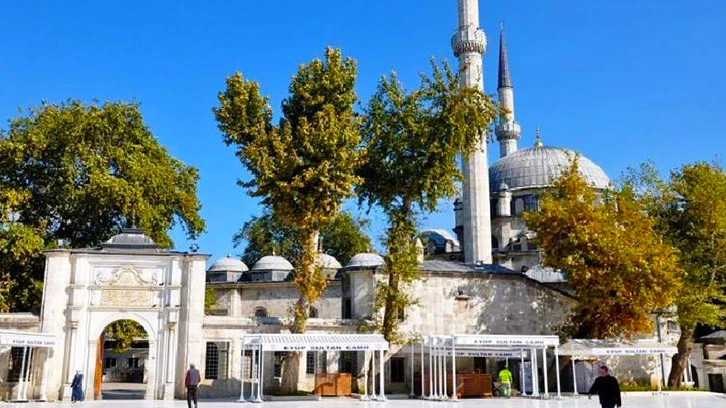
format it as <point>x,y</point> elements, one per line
<point>540,166</point>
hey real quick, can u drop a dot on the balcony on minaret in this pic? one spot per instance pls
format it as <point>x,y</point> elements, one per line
<point>508,130</point>
<point>469,40</point>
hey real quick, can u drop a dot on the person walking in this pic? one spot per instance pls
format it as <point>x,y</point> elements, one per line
<point>77,387</point>
<point>607,389</point>
<point>505,378</point>
<point>191,381</point>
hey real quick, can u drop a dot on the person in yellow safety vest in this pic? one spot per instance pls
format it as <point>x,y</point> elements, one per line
<point>505,377</point>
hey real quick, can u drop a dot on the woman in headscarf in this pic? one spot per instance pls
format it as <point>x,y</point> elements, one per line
<point>77,387</point>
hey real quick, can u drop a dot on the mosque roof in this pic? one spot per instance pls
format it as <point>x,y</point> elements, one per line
<point>272,263</point>
<point>441,232</point>
<point>540,166</point>
<point>228,264</point>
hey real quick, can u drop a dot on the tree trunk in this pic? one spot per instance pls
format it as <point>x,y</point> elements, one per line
<point>390,315</point>
<point>680,360</point>
<point>308,286</point>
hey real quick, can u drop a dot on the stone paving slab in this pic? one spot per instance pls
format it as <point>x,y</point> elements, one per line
<point>644,400</point>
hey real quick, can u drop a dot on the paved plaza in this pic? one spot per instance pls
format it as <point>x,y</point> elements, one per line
<point>638,400</point>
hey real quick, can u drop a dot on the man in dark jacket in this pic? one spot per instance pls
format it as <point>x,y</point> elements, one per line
<point>607,388</point>
<point>191,381</point>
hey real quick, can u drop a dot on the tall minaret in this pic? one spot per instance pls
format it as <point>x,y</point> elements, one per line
<point>508,130</point>
<point>469,44</point>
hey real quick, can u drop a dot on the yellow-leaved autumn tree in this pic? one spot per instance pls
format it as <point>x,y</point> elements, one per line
<point>617,264</point>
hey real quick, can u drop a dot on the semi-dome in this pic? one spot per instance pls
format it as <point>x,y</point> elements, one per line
<point>366,260</point>
<point>228,264</point>
<point>326,261</point>
<point>540,166</point>
<point>272,263</point>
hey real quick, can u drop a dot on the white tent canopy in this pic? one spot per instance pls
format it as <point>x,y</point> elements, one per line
<point>588,347</point>
<point>28,341</point>
<point>584,349</point>
<point>258,344</point>
<point>25,339</point>
<point>441,348</point>
<point>317,342</point>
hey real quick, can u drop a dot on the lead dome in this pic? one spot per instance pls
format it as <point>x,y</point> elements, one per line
<point>272,262</point>
<point>228,264</point>
<point>326,261</point>
<point>539,167</point>
<point>366,260</point>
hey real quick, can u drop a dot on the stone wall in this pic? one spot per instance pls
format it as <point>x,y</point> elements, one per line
<point>277,298</point>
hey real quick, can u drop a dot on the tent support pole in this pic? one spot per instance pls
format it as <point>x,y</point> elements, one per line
<point>422,370</point>
<point>381,392</point>
<point>544,372</point>
<point>410,394</point>
<point>242,375</point>
<point>454,385</point>
<point>574,376</point>
<point>557,368</point>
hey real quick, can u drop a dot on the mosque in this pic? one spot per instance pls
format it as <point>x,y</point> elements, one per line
<point>484,278</point>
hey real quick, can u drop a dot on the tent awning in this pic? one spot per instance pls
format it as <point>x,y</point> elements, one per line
<point>504,340</point>
<point>24,339</point>
<point>492,341</point>
<point>316,342</point>
<point>591,347</point>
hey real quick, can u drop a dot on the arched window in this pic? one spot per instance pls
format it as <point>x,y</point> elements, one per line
<point>260,312</point>
<point>313,312</point>
<point>518,206</point>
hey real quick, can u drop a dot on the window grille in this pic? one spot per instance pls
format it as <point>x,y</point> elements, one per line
<point>347,362</point>
<point>109,362</point>
<point>211,367</point>
<point>317,362</point>
<point>16,364</point>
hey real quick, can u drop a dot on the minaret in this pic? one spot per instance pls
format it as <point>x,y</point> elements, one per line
<point>469,44</point>
<point>508,130</point>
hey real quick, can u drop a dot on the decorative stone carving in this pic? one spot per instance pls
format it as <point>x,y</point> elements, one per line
<point>126,298</point>
<point>128,276</point>
<point>469,40</point>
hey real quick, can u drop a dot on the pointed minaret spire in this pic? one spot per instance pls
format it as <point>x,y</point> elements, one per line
<point>508,130</point>
<point>469,44</point>
<point>505,80</point>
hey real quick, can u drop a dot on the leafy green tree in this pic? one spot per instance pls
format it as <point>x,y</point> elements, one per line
<point>411,143</point>
<point>303,166</point>
<point>691,213</point>
<point>78,173</point>
<point>124,332</point>
<point>612,255</point>
<point>342,238</point>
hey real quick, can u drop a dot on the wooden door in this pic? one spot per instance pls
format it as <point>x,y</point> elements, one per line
<point>98,379</point>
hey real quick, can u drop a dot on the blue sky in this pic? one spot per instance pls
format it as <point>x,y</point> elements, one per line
<point>620,81</point>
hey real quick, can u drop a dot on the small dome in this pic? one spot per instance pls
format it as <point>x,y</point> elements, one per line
<point>272,263</point>
<point>539,167</point>
<point>366,260</point>
<point>326,261</point>
<point>228,264</point>
<point>130,238</point>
